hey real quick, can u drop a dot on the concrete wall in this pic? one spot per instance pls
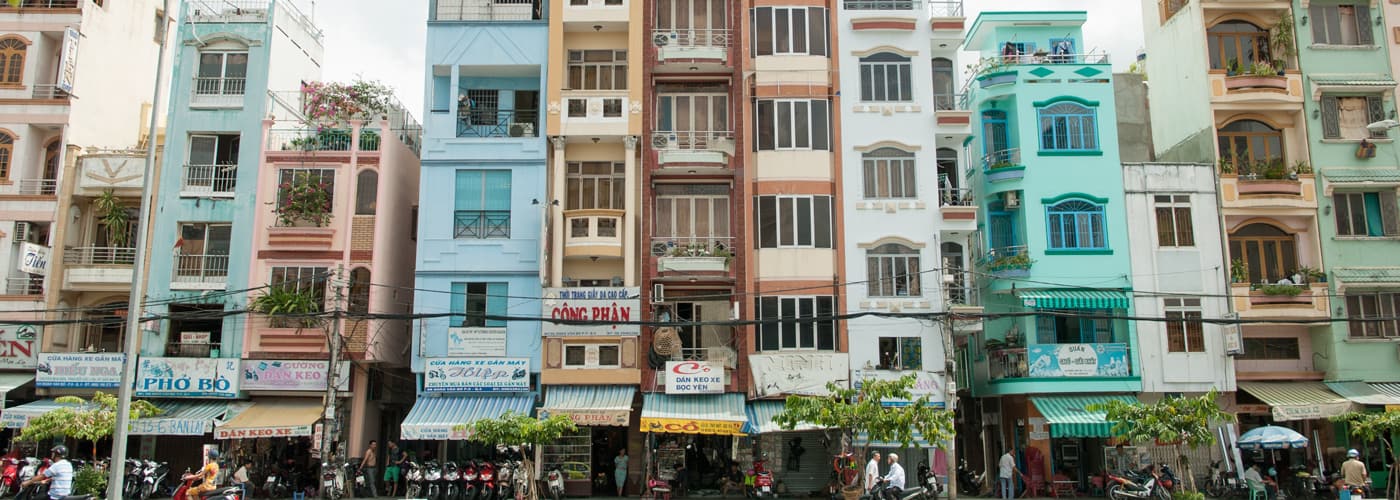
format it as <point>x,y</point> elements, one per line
<point>1134,118</point>
<point>1182,128</point>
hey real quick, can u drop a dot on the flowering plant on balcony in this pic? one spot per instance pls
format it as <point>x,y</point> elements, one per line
<point>304,200</point>
<point>288,306</point>
<point>335,103</point>
<point>1005,262</point>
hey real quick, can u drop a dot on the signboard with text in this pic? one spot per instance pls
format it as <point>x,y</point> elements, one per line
<point>476,342</point>
<point>600,304</point>
<point>187,378</point>
<point>1078,360</point>
<point>925,384</point>
<point>261,432</point>
<point>803,374</point>
<point>615,418</point>
<point>79,370</point>
<point>476,374</point>
<point>18,346</point>
<point>33,259</point>
<point>291,375</point>
<point>68,61</point>
<point>694,377</point>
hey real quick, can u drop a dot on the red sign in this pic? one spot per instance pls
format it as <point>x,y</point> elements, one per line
<point>261,432</point>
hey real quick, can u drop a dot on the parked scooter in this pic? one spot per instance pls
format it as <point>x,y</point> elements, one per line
<point>1126,488</point>
<point>131,486</point>
<point>970,483</point>
<point>486,480</point>
<point>555,481</point>
<point>413,479</point>
<point>276,484</point>
<point>505,472</point>
<point>33,491</point>
<point>451,476</point>
<point>929,481</point>
<point>332,483</point>
<point>432,480</point>
<point>762,480</point>
<point>9,477</point>
<point>471,481</point>
<point>882,490</point>
<point>153,478</point>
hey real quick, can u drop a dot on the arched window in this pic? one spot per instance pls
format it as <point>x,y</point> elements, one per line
<point>7,150</point>
<point>12,53</point>
<point>359,291</point>
<point>1076,224</point>
<point>1239,42</point>
<point>366,192</point>
<point>885,77</point>
<point>944,81</point>
<point>1247,143</point>
<point>1068,126</point>
<point>1269,253</point>
<point>889,173</point>
<point>893,271</point>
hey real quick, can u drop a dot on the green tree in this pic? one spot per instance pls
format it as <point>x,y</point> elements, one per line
<point>853,411</point>
<point>91,420</point>
<point>1179,421</point>
<point>1379,426</point>
<point>523,431</point>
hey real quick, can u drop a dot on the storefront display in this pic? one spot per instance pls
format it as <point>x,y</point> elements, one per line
<point>587,457</point>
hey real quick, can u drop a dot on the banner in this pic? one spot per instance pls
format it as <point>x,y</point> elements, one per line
<point>433,432</point>
<point>614,418</point>
<point>476,342</point>
<point>925,384</point>
<point>68,61</point>
<point>171,426</point>
<point>476,374</point>
<point>259,432</point>
<point>187,378</point>
<point>17,346</point>
<point>692,426</point>
<point>1078,360</point>
<point>694,377</point>
<point>291,375</point>
<point>592,304</point>
<point>34,259</point>
<point>79,370</point>
<point>803,374</point>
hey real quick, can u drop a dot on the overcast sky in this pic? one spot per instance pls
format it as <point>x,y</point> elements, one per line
<point>379,40</point>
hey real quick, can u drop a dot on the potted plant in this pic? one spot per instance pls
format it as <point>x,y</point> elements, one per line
<point>304,200</point>
<point>1281,40</point>
<point>1280,290</point>
<point>1227,165</point>
<point>112,214</point>
<point>1238,272</point>
<point>1311,275</point>
<point>287,306</point>
<point>1302,168</point>
<point>1232,67</point>
<point>695,257</point>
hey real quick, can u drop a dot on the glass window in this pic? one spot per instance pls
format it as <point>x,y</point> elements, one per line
<point>944,84</point>
<point>303,279</point>
<point>1174,227</point>
<point>1076,225</point>
<point>482,204</point>
<point>366,192</point>
<point>597,70</point>
<point>783,326</point>
<point>787,124</point>
<point>1366,214</point>
<point>885,77</point>
<point>473,302</point>
<point>1345,24</point>
<point>784,31</point>
<point>1373,315</point>
<point>879,4</point>
<point>595,185</point>
<point>794,221</point>
<point>1269,253</point>
<point>1068,126</point>
<point>1185,332</point>
<point>889,173</point>
<point>893,271</point>
<point>12,54</point>
<point>901,353</point>
<point>1250,146</point>
<point>1237,43</point>
<point>1270,348</point>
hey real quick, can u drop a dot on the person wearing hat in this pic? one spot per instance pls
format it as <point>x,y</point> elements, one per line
<point>1354,471</point>
<point>59,475</point>
<point>208,475</point>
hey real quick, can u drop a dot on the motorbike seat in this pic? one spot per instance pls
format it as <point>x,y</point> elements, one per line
<point>220,491</point>
<point>78,497</point>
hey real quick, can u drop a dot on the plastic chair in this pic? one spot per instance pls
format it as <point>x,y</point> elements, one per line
<point>1257,491</point>
<point>301,495</point>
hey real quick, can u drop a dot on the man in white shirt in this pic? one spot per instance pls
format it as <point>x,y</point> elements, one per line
<point>894,481</point>
<point>1006,468</point>
<point>872,471</point>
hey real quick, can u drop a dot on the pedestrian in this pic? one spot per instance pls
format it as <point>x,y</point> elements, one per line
<point>397,460</point>
<point>368,466</point>
<point>1006,475</point>
<point>1122,460</point>
<point>620,469</point>
<point>872,471</point>
<point>59,475</point>
<point>1354,471</point>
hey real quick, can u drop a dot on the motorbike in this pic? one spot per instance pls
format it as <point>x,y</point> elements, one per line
<point>1123,487</point>
<point>555,481</point>
<point>660,489</point>
<point>969,483</point>
<point>131,487</point>
<point>9,477</point>
<point>486,479</point>
<point>451,475</point>
<point>34,491</point>
<point>432,480</point>
<point>929,481</point>
<point>471,481</point>
<point>153,478</point>
<point>762,479</point>
<point>356,477</point>
<point>882,491</point>
<point>504,480</point>
<point>1304,485</point>
<point>332,485</point>
<point>275,485</point>
<point>413,479</point>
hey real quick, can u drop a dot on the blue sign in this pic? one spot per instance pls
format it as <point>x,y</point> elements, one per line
<point>187,378</point>
<point>1079,360</point>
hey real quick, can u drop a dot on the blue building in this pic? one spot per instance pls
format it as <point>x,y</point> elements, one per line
<point>482,199</point>
<point>1055,235</point>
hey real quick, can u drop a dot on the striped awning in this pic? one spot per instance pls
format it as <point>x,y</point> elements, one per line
<point>1363,393</point>
<point>273,417</point>
<point>16,417</point>
<point>717,414</point>
<point>1076,299</point>
<point>1366,275</point>
<point>1298,400</point>
<point>1381,175</point>
<point>1069,416</point>
<point>444,418</point>
<point>761,418</point>
<point>186,418</point>
<point>1388,388</point>
<point>591,404</point>
<point>1354,81</point>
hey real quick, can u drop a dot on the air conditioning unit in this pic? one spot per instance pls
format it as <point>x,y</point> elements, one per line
<point>1011,200</point>
<point>660,141</point>
<point>663,39</point>
<point>525,129</point>
<point>658,293</point>
<point>23,230</point>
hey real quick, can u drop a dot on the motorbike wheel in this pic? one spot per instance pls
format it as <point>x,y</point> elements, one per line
<point>1162,494</point>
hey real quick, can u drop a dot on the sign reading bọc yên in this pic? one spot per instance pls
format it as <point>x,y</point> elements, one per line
<point>691,426</point>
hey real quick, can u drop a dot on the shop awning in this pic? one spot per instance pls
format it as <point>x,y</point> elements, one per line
<point>1362,175</point>
<point>186,418</point>
<point>273,418</point>
<point>1387,388</point>
<point>591,404</point>
<point>1076,299</point>
<point>1367,275</point>
<point>444,418</point>
<point>16,417</point>
<point>1377,81</point>
<point>1298,400</point>
<point>12,381</point>
<point>1363,393</point>
<point>863,439</point>
<point>761,418</point>
<point>1069,416</point>
<point>719,414</point>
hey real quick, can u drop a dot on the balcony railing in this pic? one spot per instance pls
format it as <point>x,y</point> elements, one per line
<point>201,269</point>
<point>43,4</point>
<point>218,91</point>
<point>369,139</point>
<point>1007,259</point>
<point>938,8</point>
<point>956,197</point>
<point>700,140</point>
<point>309,140</point>
<point>694,246</point>
<point>593,227</point>
<point>209,179</point>
<point>88,256</point>
<point>481,224</point>
<point>1007,363</point>
<point>879,4</point>
<point>593,233</point>
<point>37,186</point>
<point>950,102</point>
<point>498,123</point>
<point>1001,159</point>
<point>189,350</point>
<point>33,285</point>
<point>1060,361</point>
<point>487,10</point>
<point>686,38</point>
<point>48,91</point>
<point>1100,58</point>
<point>227,10</point>
<point>960,293</point>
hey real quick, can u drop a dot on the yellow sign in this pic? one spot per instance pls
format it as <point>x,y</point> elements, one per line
<point>1392,407</point>
<point>690,426</point>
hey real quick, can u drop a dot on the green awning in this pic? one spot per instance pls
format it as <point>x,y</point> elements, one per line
<point>1354,81</point>
<point>1076,299</point>
<point>1366,275</point>
<point>1353,175</point>
<point>1069,418</point>
<point>1363,393</point>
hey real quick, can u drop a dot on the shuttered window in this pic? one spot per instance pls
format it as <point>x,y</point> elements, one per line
<point>1346,117</point>
<point>1344,24</point>
<point>796,323</point>
<point>1366,214</point>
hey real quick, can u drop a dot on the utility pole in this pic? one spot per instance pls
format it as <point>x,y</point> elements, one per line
<point>329,429</point>
<point>950,401</point>
<point>135,300</point>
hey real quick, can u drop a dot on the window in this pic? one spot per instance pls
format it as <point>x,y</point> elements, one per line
<point>303,279</point>
<point>879,4</point>
<point>793,124</point>
<point>693,218</point>
<point>1076,225</point>
<point>195,330</point>
<point>947,159</point>
<point>1071,328</point>
<point>7,149</point>
<point>598,70</point>
<point>366,192</point>
<point>481,106</point>
<point>889,173</point>
<point>578,108</point>
<point>52,151</point>
<point>944,83</point>
<point>595,185</point>
<point>885,77</point>
<point>697,23</point>
<point>1237,42</point>
<point>1174,227</point>
<point>1366,214</point>
<point>1248,142</point>
<point>893,271</point>
<point>204,238</point>
<point>359,291</point>
<point>794,221</point>
<point>1265,348</point>
<point>692,121</point>
<point>901,353</point>
<point>1346,117</point>
<point>12,54</point>
<point>1346,24</point>
<point>591,356</point>
<point>1364,313</point>
<point>1184,327</point>
<point>474,301</point>
<point>1269,253</point>
<point>322,178</point>
<point>482,207</point>
<point>789,31</point>
<point>1068,126</point>
<point>792,323</point>
<point>612,108</point>
<point>222,73</point>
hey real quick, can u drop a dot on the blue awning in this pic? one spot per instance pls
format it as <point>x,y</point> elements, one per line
<point>761,418</point>
<point>16,417</point>
<point>1075,299</point>
<point>609,405</point>
<point>186,418</point>
<point>443,418</point>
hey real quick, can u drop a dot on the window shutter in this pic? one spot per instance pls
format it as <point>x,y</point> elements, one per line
<point>1331,125</point>
<point>1343,212</point>
<point>753,32</point>
<point>1319,28</point>
<point>468,192</point>
<point>458,305</point>
<point>1363,25</point>
<point>1389,212</point>
<point>1375,111</point>
<point>496,303</point>
<point>497,190</point>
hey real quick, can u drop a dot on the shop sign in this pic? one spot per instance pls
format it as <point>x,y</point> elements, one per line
<point>614,418</point>
<point>171,426</point>
<point>1283,413</point>
<point>433,432</point>
<point>17,345</point>
<point>34,259</point>
<point>68,60</point>
<point>804,374</point>
<point>291,375</point>
<point>79,370</point>
<point>187,378</point>
<point>1078,360</point>
<point>692,426</point>
<point>476,374</point>
<point>476,342</point>
<point>694,377</point>
<point>262,432</point>
<point>614,304</point>
<point>925,384</point>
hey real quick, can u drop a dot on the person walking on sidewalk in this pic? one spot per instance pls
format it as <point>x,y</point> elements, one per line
<point>620,470</point>
<point>1007,475</point>
<point>368,466</point>
<point>397,460</point>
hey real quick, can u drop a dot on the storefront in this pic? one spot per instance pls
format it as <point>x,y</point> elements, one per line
<point>178,435</point>
<point>458,391</point>
<point>800,458</point>
<point>1373,397</point>
<point>693,439</point>
<point>1304,406</point>
<point>586,457</point>
<point>1075,437</point>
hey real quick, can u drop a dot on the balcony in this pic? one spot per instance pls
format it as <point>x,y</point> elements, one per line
<point>298,139</point>
<point>947,19</point>
<point>957,206</point>
<point>218,92</point>
<point>1003,166</point>
<point>690,45</point>
<point>32,285</point>
<point>37,187</point>
<point>1007,262</point>
<point>692,254</point>
<point>950,112</point>
<point>41,4</point>
<point>1281,301</point>
<point>610,14</point>
<point>494,123</point>
<point>229,11</point>
<point>275,335</point>
<point>480,224</point>
<point>596,112</point>
<point>200,272</point>
<point>487,10</point>
<point>1041,67</point>
<point>1059,362</point>
<point>693,148</point>
<point>87,268</point>
<point>209,181</point>
<point>593,233</point>
<point>192,350</point>
<point>1268,183</point>
<point>1259,89</point>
